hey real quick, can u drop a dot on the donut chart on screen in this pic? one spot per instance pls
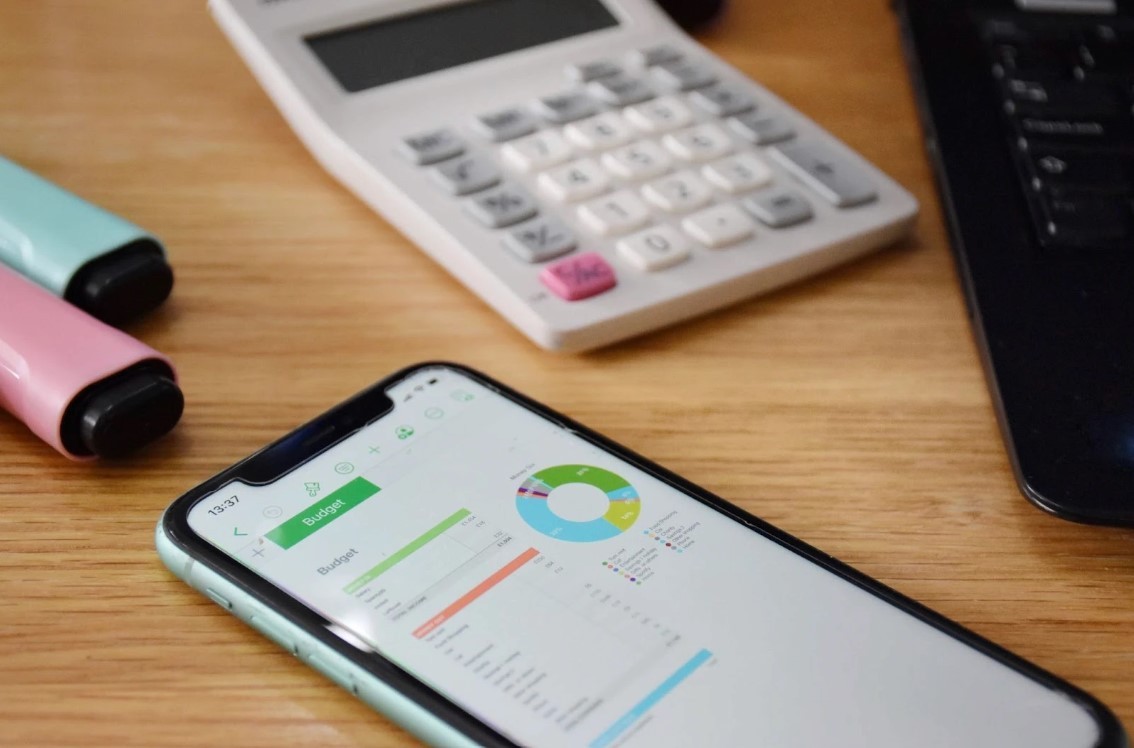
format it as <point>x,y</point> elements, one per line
<point>533,494</point>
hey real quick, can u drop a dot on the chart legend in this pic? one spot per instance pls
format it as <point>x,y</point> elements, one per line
<point>673,534</point>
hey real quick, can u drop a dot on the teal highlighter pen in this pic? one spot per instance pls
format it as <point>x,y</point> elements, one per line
<point>103,264</point>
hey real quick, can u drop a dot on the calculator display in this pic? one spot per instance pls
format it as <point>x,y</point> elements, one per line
<point>376,53</point>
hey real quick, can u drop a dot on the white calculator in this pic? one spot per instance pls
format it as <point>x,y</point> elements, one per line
<point>583,166</point>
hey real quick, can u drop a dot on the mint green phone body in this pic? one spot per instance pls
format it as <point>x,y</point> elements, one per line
<point>310,651</point>
<point>486,571</point>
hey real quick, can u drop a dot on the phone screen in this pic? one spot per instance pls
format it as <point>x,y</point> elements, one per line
<point>567,597</point>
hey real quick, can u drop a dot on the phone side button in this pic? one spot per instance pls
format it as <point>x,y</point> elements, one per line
<point>333,673</point>
<point>218,598</point>
<point>272,632</point>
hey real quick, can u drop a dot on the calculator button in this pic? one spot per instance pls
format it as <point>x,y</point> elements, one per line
<point>679,193</point>
<point>719,226</point>
<point>599,133</point>
<point>566,107</point>
<point>722,101</point>
<point>656,55</point>
<point>683,75</point>
<point>579,277</point>
<point>502,207</point>
<point>660,115</point>
<point>638,161</point>
<point>700,143</point>
<point>739,173</point>
<point>779,208</point>
<point>540,240</point>
<point>537,152</point>
<point>621,90</point>
<point>575,181</point>
<point>616,214</point>
<point>761,130</point>
<point>590,71</point>
<point>431,147</point>
<point>463,176</point>
<point>834,178</point>
<point>507,124</point>
<point>655,248</point>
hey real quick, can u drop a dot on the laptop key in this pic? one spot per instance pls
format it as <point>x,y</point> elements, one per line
<point>1074,131</point>
<point>1025,61</point>
<point>1019,31</point>
<point>1056,170</point>
<point>1055,99</point>
<point>1102,56</point>
<point>1087,221</point>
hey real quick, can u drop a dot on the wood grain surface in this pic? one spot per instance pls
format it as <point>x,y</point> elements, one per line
<point>850,409</point>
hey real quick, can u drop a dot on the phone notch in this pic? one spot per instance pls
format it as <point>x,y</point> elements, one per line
<point>315,437</point>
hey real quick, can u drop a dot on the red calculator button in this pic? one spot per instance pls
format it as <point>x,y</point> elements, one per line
<point>579,277</point>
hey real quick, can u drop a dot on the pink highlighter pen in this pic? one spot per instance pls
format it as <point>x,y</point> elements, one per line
<point>80,385</point>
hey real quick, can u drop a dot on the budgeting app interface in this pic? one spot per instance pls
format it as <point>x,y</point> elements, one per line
<point>567,598</point>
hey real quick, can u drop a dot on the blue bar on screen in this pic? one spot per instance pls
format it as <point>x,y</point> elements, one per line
<point>639,710</point>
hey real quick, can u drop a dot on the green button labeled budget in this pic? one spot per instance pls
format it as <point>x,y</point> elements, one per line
<point>322,513</point>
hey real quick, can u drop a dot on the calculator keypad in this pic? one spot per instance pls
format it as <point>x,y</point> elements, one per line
<point>621,90</point>
<point>566,107</point>
<point>589,71</point>
<point>600,132</point>
<point>579,277</point>
<point>638,161</point>
<point>537,152</point>
<point>823,171</point>
<point>679,193</point>
<point>502,207</point>
<point>655,55</point>
<point>660,115</point>
<point>659,179</point>
<point>507,124</point>
<point>431,147</point>
<point>722,101</point>
<point>779,208</point>
<point>683,75</point>
<point>540,240</point>
<point>737,174</point>
<point>701,143</point>
<point>615,214</point>
<point>760,129</point>
<point>466,175</point>
<point>720,226</point>
<point>576,181</point>
<point>656,248</point>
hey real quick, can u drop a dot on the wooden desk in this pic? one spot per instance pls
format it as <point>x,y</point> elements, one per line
<point>850,410</point>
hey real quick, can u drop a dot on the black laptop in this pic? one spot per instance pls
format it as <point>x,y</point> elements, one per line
<point>1028,111</point>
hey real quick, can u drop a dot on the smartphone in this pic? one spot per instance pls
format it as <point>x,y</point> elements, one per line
<point>486,571</point>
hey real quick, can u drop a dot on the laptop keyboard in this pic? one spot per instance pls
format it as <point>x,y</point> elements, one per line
<point>1068,93</point>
